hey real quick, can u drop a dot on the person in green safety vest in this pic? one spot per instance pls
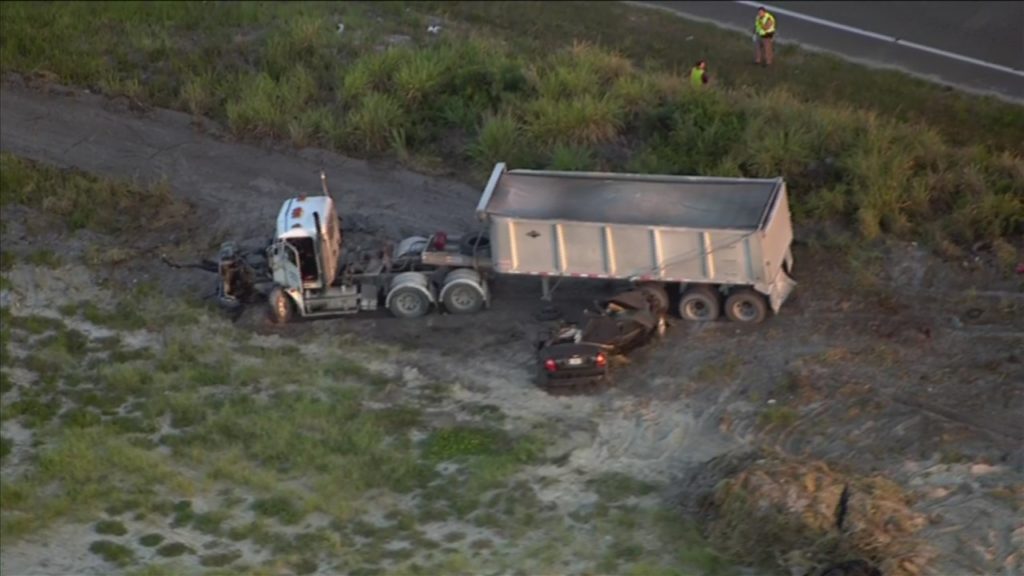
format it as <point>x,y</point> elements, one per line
<point>764,32</point>
<point>699,74</point>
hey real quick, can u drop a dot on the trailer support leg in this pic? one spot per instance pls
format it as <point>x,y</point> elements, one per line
<point>545,289</point>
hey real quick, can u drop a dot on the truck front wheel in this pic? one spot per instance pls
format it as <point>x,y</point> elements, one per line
<point>282,308</point>
<point>746,306</point>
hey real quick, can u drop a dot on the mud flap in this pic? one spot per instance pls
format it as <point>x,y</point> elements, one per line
<point>780,290</point>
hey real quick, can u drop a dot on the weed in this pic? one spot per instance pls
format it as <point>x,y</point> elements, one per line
<point>219,559</point>
<point>112,552</point>
<point>501,139</point>
<point>572,158</point>
<point>174,549</point>
<point>79,200</point>
<point>579,121</point>
<point>111,527</point>
<point>209,522</point>
<point>778,417</point>
<point>374,121</point>
<point>35,412</point>
<point>614,487</point>
<point>36,324</point>
<point>304,566</point>
<point>6,446</point>
<point>719,371</point>
<point>454,536</point>
<point>151,540</point>
<point>45,258</point>
<point>281,507</point>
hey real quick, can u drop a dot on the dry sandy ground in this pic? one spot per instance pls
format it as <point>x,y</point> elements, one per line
<point>920,379</point>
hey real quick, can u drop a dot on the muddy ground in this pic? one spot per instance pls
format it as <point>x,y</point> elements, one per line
<point>918,376</point>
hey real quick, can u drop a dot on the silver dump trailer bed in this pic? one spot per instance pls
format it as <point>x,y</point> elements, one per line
<point>723,232</point>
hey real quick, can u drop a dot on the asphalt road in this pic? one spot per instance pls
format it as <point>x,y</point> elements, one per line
<point>974,46</point>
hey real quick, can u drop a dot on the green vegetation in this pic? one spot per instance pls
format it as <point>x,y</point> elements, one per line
<point>111,527</point>
<point>554,85</point>
<point>151,540</point>
<point>80,200</point>
<point>112,552</point>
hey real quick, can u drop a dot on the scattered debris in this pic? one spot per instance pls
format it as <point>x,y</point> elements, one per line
<point>800,514</point>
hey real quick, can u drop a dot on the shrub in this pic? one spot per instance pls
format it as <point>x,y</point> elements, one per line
<point>500,139</point>
<point>572,158</point>
<point>113,552</point>
<point>582,120</point>
<point>372,123</point>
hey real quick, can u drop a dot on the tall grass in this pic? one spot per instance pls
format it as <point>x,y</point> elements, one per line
<point>80,200</point>
<point>524,90</point>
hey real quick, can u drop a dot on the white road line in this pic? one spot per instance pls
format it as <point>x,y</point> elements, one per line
<point>883,37</point>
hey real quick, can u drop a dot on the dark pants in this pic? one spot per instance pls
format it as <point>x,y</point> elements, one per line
<point>765,49</point>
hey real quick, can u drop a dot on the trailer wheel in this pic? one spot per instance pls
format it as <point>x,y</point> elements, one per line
<point>700,304</point>
<point>409,302</point>
<point>746,306</point>
<point>282,307</point>
<point>657,295</point>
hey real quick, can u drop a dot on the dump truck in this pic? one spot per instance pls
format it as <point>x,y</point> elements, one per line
<point>713,242</point>
<point>720,244</point>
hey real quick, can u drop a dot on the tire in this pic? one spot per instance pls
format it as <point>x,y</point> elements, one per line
<point>700,304</point>
<point>470,242</point>
<point>463,299</point>
<point>746,307</point>
<point>282,307</point>
<point>409,302</point>
<point>657,295</point>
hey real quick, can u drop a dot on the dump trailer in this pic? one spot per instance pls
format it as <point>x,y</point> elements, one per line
<point>720,244</point>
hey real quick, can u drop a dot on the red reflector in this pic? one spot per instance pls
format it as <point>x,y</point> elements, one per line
<point>440,240</point>
<point>601,360</point>
<point>297,213</point>
<point>550,365</point>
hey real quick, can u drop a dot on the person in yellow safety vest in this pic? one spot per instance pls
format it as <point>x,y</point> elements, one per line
<point>699,74</point>
<point>764,29</point>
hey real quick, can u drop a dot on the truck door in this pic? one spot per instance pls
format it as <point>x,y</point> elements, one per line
<point>284,261</point>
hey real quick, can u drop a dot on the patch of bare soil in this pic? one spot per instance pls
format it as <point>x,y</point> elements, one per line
<point>915,377</point>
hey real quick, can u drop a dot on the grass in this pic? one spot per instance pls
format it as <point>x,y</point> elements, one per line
<point>561,86</point>
<point>79,200</point>
<point>113,552</point>
<point>110,527</point>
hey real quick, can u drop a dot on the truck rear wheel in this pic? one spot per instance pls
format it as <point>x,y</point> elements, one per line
<point>463,291</point>
<point>746,306</point>
<point>282,307</point>
<point>700,304</point>
<point>409,302</point>
<point>463,299</point>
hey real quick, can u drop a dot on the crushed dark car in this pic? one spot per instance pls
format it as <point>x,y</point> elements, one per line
<point>570,354</point>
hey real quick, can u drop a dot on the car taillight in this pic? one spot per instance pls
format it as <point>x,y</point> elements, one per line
<point>550,365</point>
<point>601,360</point>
